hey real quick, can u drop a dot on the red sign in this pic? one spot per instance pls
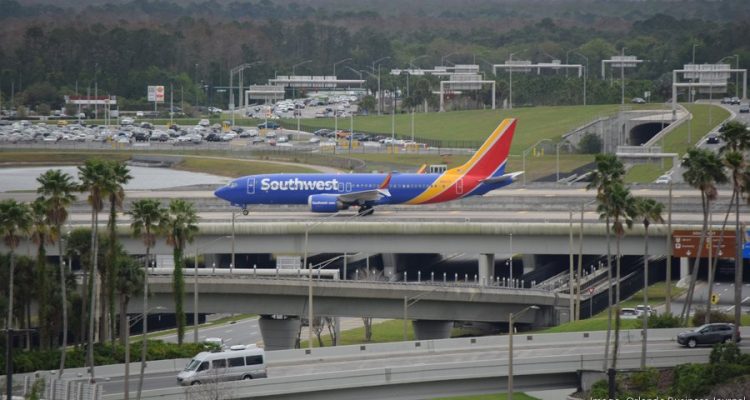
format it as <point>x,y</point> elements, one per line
<point>591,290</point>
<point>722,244</point>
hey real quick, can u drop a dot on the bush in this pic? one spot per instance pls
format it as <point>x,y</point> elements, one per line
<point>716,316</point>
<point>660,321</point>
<point>600,390</point>
<point>692,379</point>
<point>30,361</point>
<point>590,143</point>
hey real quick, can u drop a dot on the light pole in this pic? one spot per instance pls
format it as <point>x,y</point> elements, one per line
<point>238,70</point>
<point>622,76</point>
<point>408,75</point>
<point>195,82</point>
<point>510,347</point>
<point>309,280</point>
<point>585,71</point>
<point>376,62</point>
<point>510,80</point>
<point>195,282</point>
<point>294,67</point>
<point>339,62</point>
<point>445,57</point>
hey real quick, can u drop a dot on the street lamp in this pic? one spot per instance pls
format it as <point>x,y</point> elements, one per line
<point>445,57</point>
<point>238,70</point>
<point>510,81</point>
<point>380,104</point>
<point>408,75</point>
<point>585,71</point>
<point>339,62</point>
<point>294,67</point>
<point>195,277</point>
<point>310,274</point>
<point>510,347</point>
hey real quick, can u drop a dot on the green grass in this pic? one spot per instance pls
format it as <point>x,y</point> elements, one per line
<point>213,165</point>
<point>705,118</point>
<point>494,396</point>
<point>384,332</point>
<point>236,167</point>
<point>534,123</point>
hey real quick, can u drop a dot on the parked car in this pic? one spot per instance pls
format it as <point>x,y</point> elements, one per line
<point>707,334</point>
<point>745,109</point>
<point>735,101</point>
<point>269,125</point>
<point>712,139</point>
<point>629,313</point>
<point>638,100</point>
<point>726,100</point>
<point>642,309</point>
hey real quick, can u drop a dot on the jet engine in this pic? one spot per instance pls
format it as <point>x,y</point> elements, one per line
<point>325,203</point>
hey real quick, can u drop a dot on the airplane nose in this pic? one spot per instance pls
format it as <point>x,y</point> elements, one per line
<point>222,192</point>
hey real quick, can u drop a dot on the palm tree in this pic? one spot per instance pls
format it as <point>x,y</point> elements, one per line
<point>129,282</point>
<point>737,138</point>
<point>608,170</point>
<point>119,175</point>
<point>617,206</point>
<point>15,222</point>
<point>181,226</point>
<point>58,187</point>
<point>93,175</point>
<point>648,210</point>
<point>704,171</point>
<point>148,218</point>
<point>41,235</point>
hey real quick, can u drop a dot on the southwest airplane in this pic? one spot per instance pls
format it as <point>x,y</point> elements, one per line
<point>330,193</point>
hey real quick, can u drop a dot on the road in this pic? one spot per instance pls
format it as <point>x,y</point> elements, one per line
<point>245,331</point>
<point>725,290</point>
<point>165,380</point>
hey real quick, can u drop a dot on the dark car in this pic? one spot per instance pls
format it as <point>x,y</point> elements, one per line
<point>213,137</point>
<point>712,139</point>
<point>707,334</point>
<point>269,125</point>
<point>735,101</point>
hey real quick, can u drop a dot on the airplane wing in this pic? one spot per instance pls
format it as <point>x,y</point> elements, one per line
<point>367,195</point>
<point>503,178</point>
<point>422,169</point>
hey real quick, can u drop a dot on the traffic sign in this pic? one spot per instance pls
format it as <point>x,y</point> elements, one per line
<point>591,290</point>
<point>714,298</point>
<point>685,243</point>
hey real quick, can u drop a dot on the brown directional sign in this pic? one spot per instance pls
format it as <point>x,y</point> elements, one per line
<point>685,243</point>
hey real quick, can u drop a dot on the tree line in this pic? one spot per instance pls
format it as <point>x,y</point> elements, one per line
<point>48,54</point>
<point>619,209</point>
<point>111,277</point>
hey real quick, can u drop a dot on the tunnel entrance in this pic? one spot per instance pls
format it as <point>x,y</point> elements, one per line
<point>643,133</point>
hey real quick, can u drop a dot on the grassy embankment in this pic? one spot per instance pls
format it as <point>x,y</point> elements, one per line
<point>222,166</point>
<point>705,118</point>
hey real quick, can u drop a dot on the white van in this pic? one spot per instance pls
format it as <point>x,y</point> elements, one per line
<point>236,363</point>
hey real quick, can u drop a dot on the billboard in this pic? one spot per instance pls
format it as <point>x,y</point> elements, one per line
<point>156,94</point>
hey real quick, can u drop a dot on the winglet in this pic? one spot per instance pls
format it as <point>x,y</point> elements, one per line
<point>422,169</point>
<point>386,182</point>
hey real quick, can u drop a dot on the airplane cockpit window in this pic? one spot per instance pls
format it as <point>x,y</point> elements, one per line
<point>233,185</point>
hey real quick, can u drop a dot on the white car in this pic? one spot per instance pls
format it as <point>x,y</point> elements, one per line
<point>664,179</point>
<point>642,309</point>
<point>204,122</point>
<point>629,313</point>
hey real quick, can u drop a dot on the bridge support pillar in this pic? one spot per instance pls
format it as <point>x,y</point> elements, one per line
<point>279,334</point>
<point>486,268</point>
<point>684,268</point>
<point>390,266</point>
<point>432,329</point>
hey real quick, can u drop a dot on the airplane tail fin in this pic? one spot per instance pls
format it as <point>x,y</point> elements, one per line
<point>490,160</point>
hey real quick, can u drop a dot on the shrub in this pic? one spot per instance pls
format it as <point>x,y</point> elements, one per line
<point>660,321</point>
<point>700,317</point>
<point>600,390</point>
<point>692,379</point>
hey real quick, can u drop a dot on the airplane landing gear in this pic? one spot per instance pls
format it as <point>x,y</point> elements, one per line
<point>366,210</point>
<point>245,211</point>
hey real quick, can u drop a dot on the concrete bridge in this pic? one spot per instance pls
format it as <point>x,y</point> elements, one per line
<point>431,306</point>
